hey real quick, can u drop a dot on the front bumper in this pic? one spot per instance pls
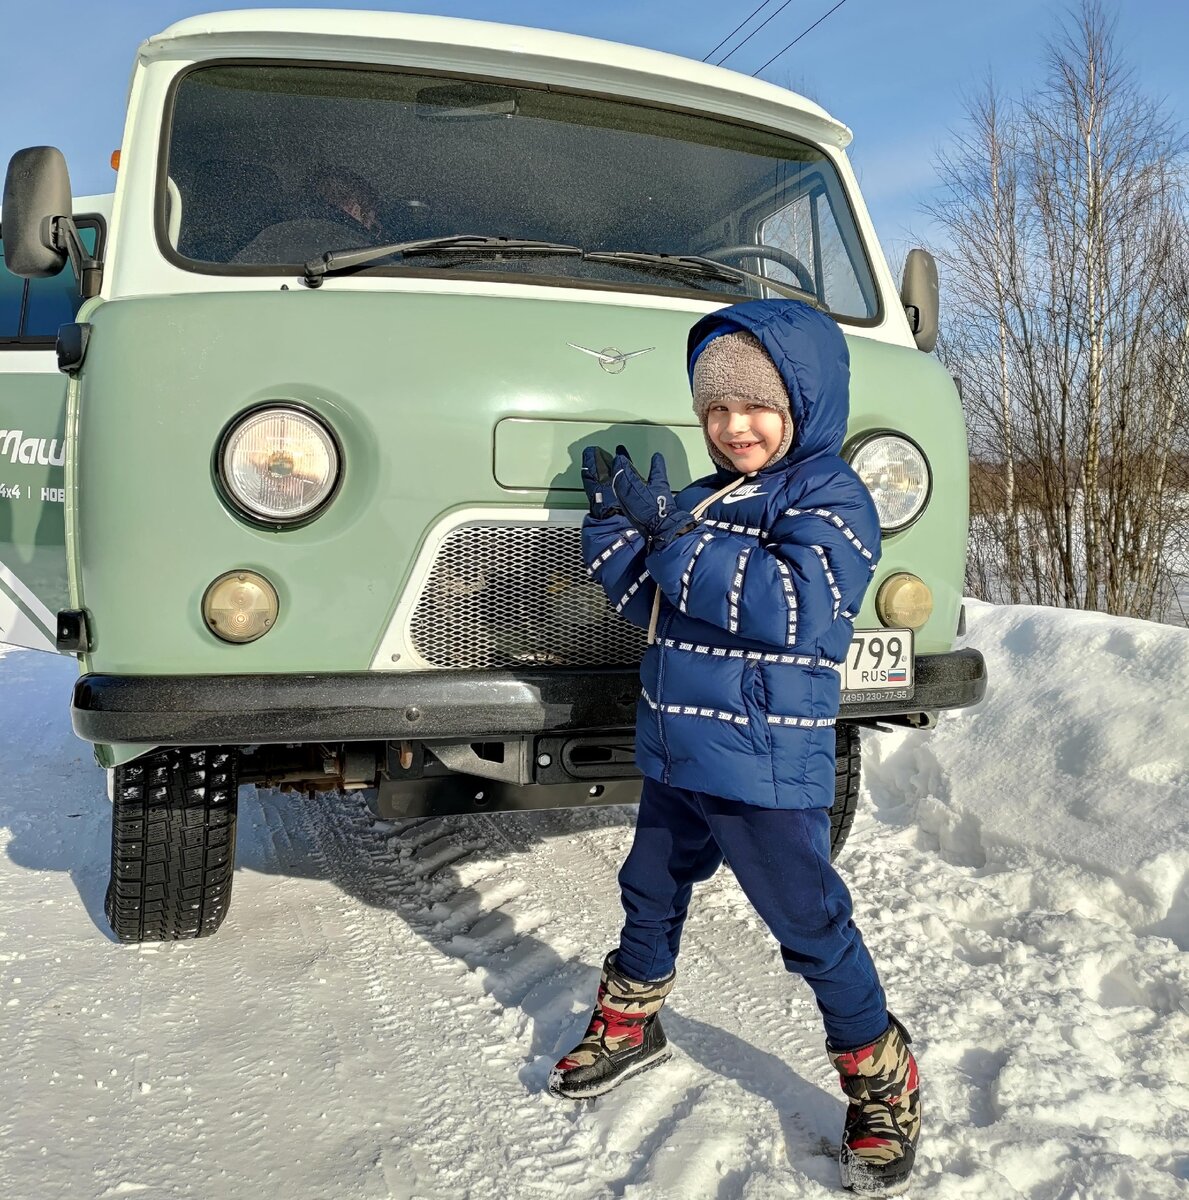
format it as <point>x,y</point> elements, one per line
<point>198,710</point>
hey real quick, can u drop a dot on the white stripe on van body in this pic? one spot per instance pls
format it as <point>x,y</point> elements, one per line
<point>30,362</point>
<point>30,599</point>
<point>16,628</point>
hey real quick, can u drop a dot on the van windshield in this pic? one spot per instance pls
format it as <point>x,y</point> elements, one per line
<point>272,165</point>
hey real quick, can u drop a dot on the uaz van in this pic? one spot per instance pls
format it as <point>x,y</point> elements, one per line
<point>305,500</point>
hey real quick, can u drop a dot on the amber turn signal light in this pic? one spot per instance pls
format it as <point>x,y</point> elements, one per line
<point>240,606</point>
<point>904,601</point>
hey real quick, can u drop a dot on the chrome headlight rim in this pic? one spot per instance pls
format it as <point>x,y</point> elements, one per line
<point>851,452</point>
<point>227,494</point>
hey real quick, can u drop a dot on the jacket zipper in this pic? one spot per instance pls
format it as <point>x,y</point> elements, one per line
<point>660,691</point>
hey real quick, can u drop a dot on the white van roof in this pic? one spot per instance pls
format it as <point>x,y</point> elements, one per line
<point>505,51</point>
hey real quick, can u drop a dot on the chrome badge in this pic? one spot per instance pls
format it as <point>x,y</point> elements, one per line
<point>611,360</point>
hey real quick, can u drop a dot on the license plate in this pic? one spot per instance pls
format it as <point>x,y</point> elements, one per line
<point>879,660</point>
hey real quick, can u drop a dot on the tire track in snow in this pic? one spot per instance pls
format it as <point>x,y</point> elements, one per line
<point>760,1061</point>
<point>478,891</point>
<point>407,884</point>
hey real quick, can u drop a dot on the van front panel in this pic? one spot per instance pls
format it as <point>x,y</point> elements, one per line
<point>414,388</point>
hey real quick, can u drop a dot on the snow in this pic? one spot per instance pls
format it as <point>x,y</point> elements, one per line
<point>378,1015</point>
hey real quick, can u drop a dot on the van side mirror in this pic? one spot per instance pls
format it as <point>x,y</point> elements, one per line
<point>919,295</point>
<point>39,230</point>
<point>36,191</point>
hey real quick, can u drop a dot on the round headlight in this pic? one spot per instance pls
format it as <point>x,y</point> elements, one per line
<point>279,464</point>
<point>896,475</point>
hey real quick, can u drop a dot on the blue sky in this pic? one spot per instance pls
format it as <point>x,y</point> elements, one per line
<point>896,73</point>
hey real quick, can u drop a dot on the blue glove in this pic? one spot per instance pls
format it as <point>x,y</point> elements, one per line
<point>649,503</point>
<point>596,479</point>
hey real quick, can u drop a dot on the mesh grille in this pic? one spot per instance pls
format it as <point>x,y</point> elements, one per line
<point>517,595</point>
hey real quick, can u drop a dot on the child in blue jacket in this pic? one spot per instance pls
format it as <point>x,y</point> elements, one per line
<point>749,581</point>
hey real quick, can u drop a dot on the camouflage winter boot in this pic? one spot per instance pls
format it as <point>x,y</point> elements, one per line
<point>623,1038</point>
<point>883,1121</point>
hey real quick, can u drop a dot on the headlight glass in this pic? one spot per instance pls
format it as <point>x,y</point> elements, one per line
<point>279,464</point>
<point>896,475</point>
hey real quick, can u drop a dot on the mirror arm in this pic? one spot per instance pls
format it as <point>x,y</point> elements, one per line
<point>63,235</point>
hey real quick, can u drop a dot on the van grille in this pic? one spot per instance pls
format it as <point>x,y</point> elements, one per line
<point>517,595</point>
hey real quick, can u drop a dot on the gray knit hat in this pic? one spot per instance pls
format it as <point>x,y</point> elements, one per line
<point>736,366</point>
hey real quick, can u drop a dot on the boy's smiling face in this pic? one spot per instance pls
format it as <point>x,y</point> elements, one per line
<point>743,403</point>
<point>745,431</point>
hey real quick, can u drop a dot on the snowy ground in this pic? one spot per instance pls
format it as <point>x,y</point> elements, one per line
<point>378,1015</point>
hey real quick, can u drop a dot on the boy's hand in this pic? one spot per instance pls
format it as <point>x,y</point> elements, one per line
<point>649,503</point>
<point>596,479</point>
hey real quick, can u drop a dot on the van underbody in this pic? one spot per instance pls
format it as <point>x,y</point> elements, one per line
<point>440,741</point>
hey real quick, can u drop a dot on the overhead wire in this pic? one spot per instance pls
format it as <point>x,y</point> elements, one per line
<point>734,31</point>
<point>796,39</point>
<point>752,34</point>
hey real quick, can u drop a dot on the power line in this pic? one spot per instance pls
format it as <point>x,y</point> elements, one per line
<point>756,30</point>
<point>796,39</point>
<point>734,31</point>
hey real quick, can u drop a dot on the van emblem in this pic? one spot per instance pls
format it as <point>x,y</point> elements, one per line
<point>611,360</point>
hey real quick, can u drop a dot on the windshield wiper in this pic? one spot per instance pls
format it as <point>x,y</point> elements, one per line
<point>695,264</point>
<point>334,261</point>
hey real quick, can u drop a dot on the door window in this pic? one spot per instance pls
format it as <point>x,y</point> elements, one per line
<point>32,309</point>
<point>12,295</point>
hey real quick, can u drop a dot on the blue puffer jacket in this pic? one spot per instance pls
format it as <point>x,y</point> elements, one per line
<point>740,691</point>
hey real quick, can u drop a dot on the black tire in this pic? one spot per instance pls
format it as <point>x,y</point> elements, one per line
<point>173,844</point>
<point>847,772</point>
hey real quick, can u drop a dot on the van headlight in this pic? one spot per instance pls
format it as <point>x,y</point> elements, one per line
<point>278,464</point>
<point>897,476</point>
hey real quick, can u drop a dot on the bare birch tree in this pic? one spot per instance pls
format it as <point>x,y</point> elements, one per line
<point>1066,284</point>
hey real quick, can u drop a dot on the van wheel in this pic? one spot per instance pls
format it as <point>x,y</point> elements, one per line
<point>172,844</point>
<point>847,772</point>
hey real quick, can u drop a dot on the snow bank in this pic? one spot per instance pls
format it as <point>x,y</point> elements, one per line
<point>1077,757</point>
<point>1036,908</point>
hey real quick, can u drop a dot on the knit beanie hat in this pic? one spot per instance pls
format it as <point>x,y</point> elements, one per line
<point>736,366</point>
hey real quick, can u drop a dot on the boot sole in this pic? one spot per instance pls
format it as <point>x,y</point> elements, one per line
<point>557,1087</point>
<point>862,1183</point>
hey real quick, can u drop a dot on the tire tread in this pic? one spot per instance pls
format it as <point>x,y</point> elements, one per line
<point>847,774</point>
<point>173,844</point>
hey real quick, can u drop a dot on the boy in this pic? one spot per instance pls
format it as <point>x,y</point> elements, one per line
<point>749,580</point>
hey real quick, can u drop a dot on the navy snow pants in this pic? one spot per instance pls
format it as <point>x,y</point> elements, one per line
<point>781,858</point>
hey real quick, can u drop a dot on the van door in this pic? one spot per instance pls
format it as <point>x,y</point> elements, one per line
<point>33,585</point>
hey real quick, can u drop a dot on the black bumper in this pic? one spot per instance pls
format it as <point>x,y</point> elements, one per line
<point>197,710</point>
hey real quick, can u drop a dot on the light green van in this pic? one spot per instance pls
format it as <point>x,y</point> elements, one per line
<point>305,500</point>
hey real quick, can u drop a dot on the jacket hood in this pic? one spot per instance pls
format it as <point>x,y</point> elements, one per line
<point>811,355</point>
